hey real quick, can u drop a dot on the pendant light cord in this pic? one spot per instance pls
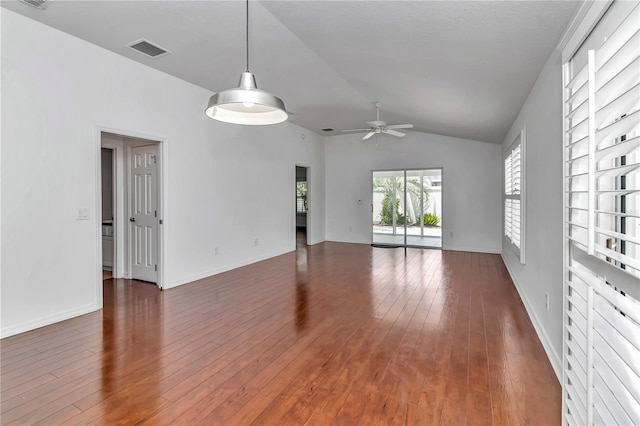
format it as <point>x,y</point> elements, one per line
<point>247,35</point>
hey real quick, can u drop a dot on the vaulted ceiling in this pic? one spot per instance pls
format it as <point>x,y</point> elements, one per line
<point>456,68</point>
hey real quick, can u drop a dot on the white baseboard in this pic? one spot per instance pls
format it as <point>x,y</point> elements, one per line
<point>225,268</point>
<point>447,247</point>
<point>345,240</point>
<point>555,360</point>
<point>48,320</point>
<point>314,242</point>
<point>472,249</point>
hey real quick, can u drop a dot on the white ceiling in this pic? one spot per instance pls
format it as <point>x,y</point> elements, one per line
<point>456,68</point>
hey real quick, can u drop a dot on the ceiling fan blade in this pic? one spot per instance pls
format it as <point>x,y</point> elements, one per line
<point>400,126</point>
<point>368,135</point>
<point>355,130</point>
<point>393,132</point>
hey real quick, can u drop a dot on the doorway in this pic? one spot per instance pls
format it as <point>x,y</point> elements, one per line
<point>132,224</point>
<point>107,172</point>
<point>407,208</point>
<point>302,206</point>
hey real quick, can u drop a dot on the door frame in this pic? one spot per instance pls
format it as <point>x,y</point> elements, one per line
<point>404,171</point>
<point>121,219</point>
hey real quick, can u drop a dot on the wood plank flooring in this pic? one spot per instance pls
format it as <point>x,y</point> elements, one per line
<point>333,333</point>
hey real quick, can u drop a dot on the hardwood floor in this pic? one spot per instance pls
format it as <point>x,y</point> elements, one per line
<point>333,333</point>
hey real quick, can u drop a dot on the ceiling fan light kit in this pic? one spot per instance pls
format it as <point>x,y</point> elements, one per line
<point>246,104</point>
<point>377,127</point>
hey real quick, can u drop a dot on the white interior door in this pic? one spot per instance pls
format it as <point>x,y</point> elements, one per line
<point>144,213</point>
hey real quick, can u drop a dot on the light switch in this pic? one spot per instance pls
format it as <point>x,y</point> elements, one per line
<point>82,214</point>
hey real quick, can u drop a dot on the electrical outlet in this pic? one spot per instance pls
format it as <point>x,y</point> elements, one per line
<point>546,301</point>
<point>350,228</point>
<point>256,242</point>
<point>215,251</point>
<point>451,233</point>
<point>82,214</point>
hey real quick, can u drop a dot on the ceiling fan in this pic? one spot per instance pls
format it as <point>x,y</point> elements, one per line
<point>377,127</point>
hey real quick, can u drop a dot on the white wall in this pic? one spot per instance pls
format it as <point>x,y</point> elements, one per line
<point>226,185</point>
<point>471,185</point>
<point>542,273</point>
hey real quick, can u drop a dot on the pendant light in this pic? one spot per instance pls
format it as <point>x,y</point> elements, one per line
<point>246,104</point>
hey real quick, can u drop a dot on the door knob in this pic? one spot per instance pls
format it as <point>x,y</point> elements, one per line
<point>132,219</point>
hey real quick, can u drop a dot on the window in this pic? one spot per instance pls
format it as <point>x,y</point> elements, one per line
<point>602,161</point>
<point>513,195</point>
<point>601,374</point>
<point>301,197</point>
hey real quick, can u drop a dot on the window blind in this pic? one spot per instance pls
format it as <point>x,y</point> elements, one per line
<point>513,195</point>
<point>301,196</point>
<point>301,205</point>
<point>601,369</point>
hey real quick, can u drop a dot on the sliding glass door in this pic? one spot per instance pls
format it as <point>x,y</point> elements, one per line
<point>407,208</point>
<point>388,205</point>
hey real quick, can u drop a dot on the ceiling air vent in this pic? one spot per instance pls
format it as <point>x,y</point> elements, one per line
<point>328,129</point>
<point>38,4</point>
<point>147,48</point>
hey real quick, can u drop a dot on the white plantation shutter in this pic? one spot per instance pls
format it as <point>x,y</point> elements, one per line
<point>513,195</point>
<point>601,371</point>
<point>508,223</point>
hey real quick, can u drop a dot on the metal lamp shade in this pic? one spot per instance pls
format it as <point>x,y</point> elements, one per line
<point>246,105</point>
